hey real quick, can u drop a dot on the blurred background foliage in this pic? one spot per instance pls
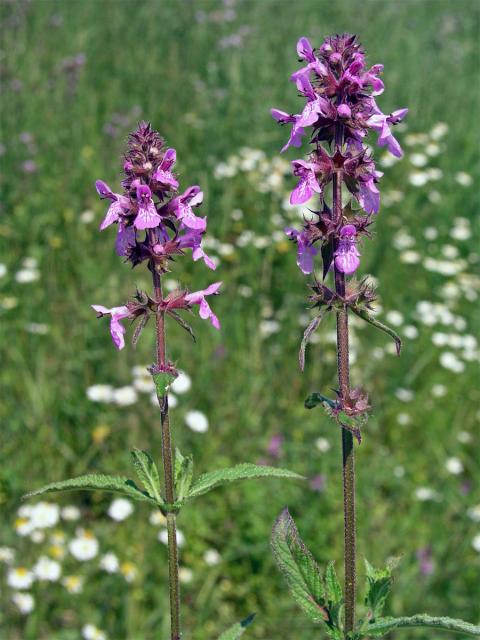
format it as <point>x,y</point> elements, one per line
<point>76,77</point>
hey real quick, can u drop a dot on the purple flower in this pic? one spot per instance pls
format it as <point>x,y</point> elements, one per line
<point>147,216</point>
<point>347,256</point>
<point>191,239</point>
<point>307,184</point>
<point>163,175</point>
<point>182,207</point>
<point>368,196</point>
<point>116,329</point>
<point>305,252</point>
<point>296,134</point>
<point>317,483</point>
<point>198,297</point>
<point>379,122</point>
<point>274,447</point>
<point>424,557</point>
<point>119,206</point>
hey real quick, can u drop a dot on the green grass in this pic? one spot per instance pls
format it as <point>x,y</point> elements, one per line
<point>209,102</point>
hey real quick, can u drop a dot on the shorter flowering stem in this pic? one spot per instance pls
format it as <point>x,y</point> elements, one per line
<point>167,457</point>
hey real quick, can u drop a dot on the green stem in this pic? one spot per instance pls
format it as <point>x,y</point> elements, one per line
<point>169,479</point>
<point>423,620</point>
<point>348,452</point>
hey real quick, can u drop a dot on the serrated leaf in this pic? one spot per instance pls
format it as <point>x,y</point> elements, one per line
<point>382,626</point>
<point>312,327</point>
<point>183,474</point>
<point>379,584</point>
<point>368,317</point>
<point>298,567</point>
<point>148,473</point>
<point>95,482</point>
<point>333,589</point>
<point>245,471</point>
<point>238,629</point>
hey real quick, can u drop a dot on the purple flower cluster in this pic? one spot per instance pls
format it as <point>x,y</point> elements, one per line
<point>155,224</point>
<point>339,112</point>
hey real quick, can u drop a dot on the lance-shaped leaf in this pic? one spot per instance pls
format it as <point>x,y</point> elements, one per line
<point>238,629</point>
<point>369,317</point>
<point>299,568</point>
<point>383,626</point>
<point>379,584</point>
<point>183,474</point>
<point>141,324</point>
<point>148,473</point>
<point>245,471</point>
<point>176,316</point>
<point>327,256</point>
<point>315,398</point>
<point>334,598</point>
<point>312,327</point>
<point>96,482</point>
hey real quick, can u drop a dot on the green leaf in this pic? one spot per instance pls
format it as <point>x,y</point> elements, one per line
<point>379,584</point>
<point>382,626</point>
<point>299,568</point>
<point>333,589</point>
<point>245,471</point>
<point>238,629</point>
<point>314,399</point>
<point>162,381</point>
<point>148,473</point>
<point>95,482</point>
<point>183,474</point>
<point>368,317</point>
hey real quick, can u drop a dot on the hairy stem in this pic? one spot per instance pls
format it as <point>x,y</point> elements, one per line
<point>347,437</point>
<point>168,471</point>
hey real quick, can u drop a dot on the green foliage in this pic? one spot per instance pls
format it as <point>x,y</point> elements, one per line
<point>299,568</point>
<point>369,317</point>
<point>245,471</point>
<point>162,380</point>
<point>148,473</point>
<point>183,474</point>
<point>379,584</point>
<point>238,629</point>
<point>315,398</point>
<point>95,482</point>
<point>312,327</point>
<point>383,626</point>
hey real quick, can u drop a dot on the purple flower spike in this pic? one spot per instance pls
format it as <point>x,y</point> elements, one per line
<point>198,297</point>
<point>182,207</point>
<point>307,184</point>
<point>305,252</point>
<point>163,175</point>
<point>347,256</point>
<point>147,216</point>
<point>116,329</point>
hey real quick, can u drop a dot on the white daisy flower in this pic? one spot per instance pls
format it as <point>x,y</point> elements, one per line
<point>120,509</point>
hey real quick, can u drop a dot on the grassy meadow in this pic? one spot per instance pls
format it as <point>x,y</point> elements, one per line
<point>77,76</point>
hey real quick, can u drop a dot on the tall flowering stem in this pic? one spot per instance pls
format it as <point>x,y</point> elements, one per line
<point>339,111</point>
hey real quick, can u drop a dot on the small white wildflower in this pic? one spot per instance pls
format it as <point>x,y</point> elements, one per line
<point>405,395</point>
<point>430,233</point>
<point>476,542</point>
<point>109,563</point>
<point>70,513</point>
<point>410,257</point>
<point>171,284</point>
<point>196,421</point>
<point>464,437</point>
<point>237,214</point>
<point>20,578</point>
<point>449,360</point>
<point>440,339</point>
<point>120,509</point>
<point>418,159</point>
<point>45,515</point>
<point>323,445</point>
<point>454,466</point>
<point>100,393</point>
<point>47,570</point>
<point>25,276</point>
<point>73,584</point>
<point>245,291</point>
<point>403,240</point>
<point>399,471</point>
<point>450,251</point>
<point>395,318</point>
<point>439,390</point>
<point>403,419</point>
<point>474,513</point>
<point>410,331</point>
<point>425,493</point>
<point>185,575</point>
<point>125,396</point>
<point>144,383</point>
<point>464,179</point>
<point>37,537</point>
<point>434,196</point>
<point>432,149</point>
<point>157,518</point>
<point>84,546</point>
<point>3,270</point>
<point>418,178</point>
<point>268,328</point>
<point>7,555</point>
<point>87,216</point>
<point>128,571</point>
<point>212,557</point>
<point>24,602</point>
<point>181,384</point>
<point>439,130</point>
<point>91,632</point>
<point>461,233</point>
